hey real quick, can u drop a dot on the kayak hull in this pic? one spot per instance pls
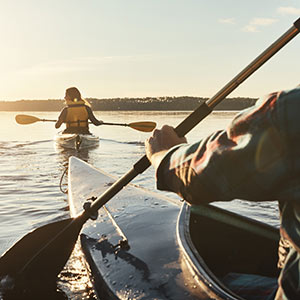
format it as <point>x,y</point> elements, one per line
<point>146,246</point>
<point>76,141</point>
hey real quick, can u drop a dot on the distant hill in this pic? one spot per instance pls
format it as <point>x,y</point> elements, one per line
<point>148,103</point>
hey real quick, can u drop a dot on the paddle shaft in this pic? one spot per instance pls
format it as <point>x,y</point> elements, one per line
<point>117,124</point>
<point>46,120</point>
<point>107,123</point>
<point>198,115</point>
<point>104,123</point>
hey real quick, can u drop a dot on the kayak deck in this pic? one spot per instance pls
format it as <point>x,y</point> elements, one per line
<point>149,223</point>
<point>76,141</point>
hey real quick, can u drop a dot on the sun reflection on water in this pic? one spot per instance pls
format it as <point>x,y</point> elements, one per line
<point>75,280</point>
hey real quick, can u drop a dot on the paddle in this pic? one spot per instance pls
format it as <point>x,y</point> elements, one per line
<point>145,126</point>
<point>43,253</point>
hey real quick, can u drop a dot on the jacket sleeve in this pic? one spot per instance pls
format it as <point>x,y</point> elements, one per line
<point>247,160</point>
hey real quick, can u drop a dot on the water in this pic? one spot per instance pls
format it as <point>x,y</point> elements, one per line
<point>32,169</point>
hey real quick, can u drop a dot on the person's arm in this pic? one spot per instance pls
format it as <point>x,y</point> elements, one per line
<point>256,158</point>
<point>61,118</point>
<point>245,161</point>
<point>93,119</point>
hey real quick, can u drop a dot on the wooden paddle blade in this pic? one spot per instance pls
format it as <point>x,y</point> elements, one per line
<point>41,254</point>
<point>143,126</point>
<point>26,119</point>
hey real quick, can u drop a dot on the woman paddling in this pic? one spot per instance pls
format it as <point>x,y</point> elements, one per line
<point>76,114</point>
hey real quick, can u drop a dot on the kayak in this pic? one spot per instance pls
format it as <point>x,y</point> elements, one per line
<point>144,245</point>
<point>76,141</point>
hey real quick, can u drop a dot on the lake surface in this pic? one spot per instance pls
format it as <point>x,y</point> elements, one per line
<point>32,185</point>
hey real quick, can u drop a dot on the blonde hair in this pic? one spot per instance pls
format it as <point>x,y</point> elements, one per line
<point>75,96</point>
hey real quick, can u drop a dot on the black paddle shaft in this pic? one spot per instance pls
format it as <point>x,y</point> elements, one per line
<point>199,114</point>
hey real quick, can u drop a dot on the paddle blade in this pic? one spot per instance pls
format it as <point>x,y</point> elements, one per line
<point>41,255</point>
<point>143,126</point>
<point>26,119</point>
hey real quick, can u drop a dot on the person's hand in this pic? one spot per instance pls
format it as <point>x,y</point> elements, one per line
<point>160,142</point>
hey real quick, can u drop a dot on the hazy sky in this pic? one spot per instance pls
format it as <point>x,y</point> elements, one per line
<point>139,48</point>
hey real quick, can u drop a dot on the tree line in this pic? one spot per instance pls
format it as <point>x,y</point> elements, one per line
<point>148,103</point>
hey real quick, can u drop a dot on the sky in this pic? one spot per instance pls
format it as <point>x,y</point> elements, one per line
<point>143,48</point>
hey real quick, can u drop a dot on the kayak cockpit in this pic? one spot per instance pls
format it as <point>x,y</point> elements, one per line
<point>231,256</point>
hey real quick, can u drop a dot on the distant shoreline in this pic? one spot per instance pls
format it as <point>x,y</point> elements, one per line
<point>183,103</point>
